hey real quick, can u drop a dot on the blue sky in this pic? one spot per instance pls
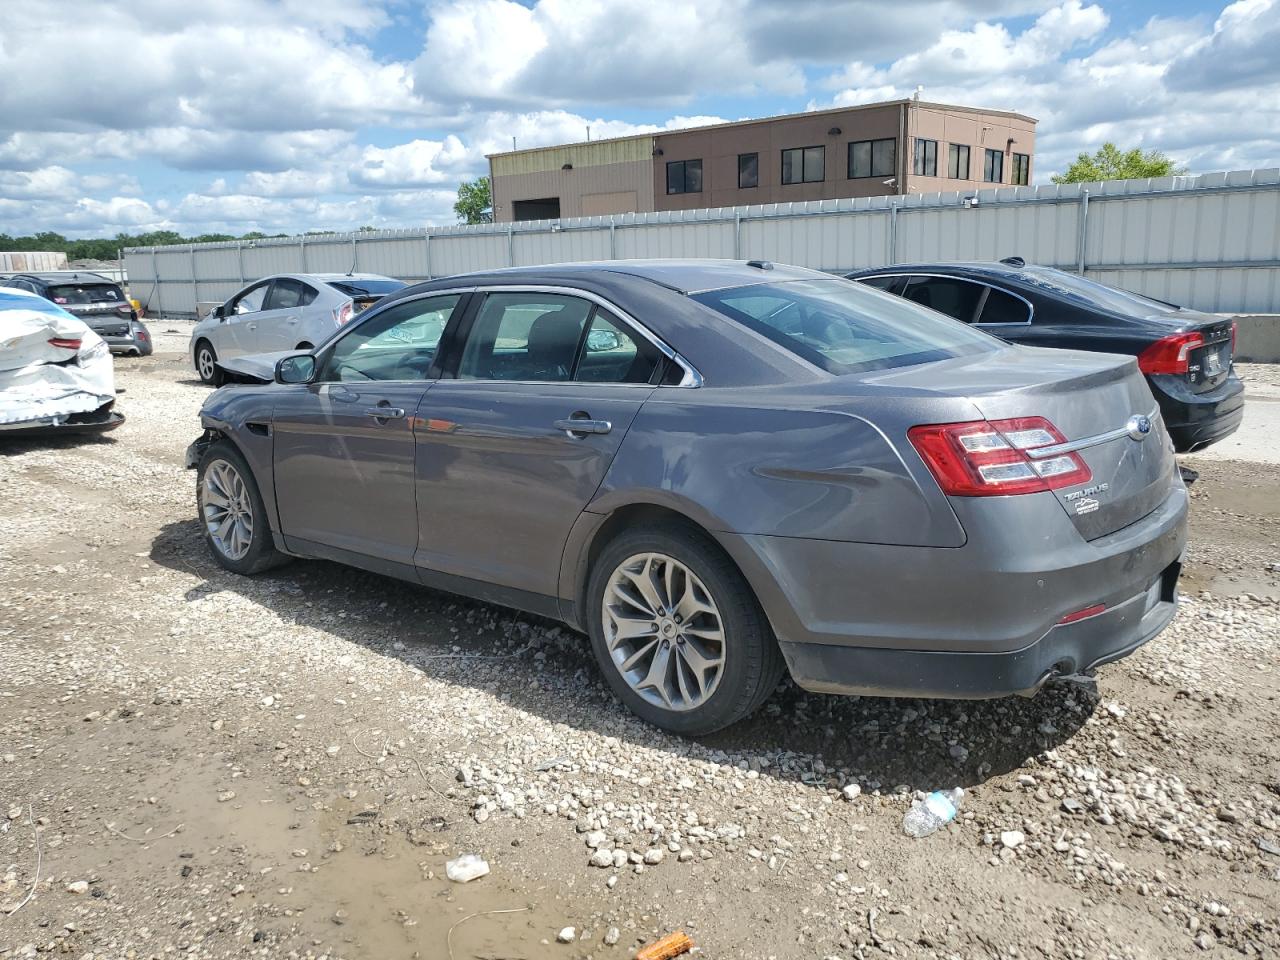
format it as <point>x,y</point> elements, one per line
<point>289,115</point>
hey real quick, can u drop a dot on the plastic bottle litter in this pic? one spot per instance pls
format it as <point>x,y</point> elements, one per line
<point>466,868</point>
<point>672,945</point>
<point>934,811</point>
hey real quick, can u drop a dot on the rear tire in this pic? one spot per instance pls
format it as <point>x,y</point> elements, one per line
<point>206,360</point>
<point>707,659</point>
<point>232,513</point>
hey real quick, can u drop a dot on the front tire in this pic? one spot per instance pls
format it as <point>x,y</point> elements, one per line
<point>206,360</point>
<point>677,631</point>
<point>232,512</point>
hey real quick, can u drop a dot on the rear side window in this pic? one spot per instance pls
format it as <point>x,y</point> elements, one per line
<point>955,298</point>
<point>613,354</point>
<point>846,327</point>
<point>79,294</point>
<point>1001,307</point>
<point>887,284</point>
<point>288,294</point>
<point>526,337</point>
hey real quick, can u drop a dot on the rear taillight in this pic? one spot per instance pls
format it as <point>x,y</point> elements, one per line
<point>1171,354</point>
<point>65,343</point>
<point>992,458</point>
<point>1234,326</point>
<point>342,314</point>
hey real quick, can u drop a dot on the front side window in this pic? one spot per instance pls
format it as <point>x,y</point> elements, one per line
<point>958,161</point>
<point>993,167</point>
<point>748,170</point>
<point>251,300</point>
<point>399,343</point>
<point>845,327</point>
<point>926,160</point>
<point>804,165</point>
<point>872,158</point>
<point>684,176</point>
<point>1021,169</point>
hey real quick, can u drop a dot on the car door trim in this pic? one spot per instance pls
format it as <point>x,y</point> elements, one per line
<point>1084,443</point>
<point>1031,309</point>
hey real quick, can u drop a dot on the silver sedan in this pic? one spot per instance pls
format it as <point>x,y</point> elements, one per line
<point>293,311</point>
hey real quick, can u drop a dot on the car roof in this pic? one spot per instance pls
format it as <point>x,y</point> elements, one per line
<point>682,276</point>
<point>985,268</point>
<point>341,276</point>
<point>62,276</point>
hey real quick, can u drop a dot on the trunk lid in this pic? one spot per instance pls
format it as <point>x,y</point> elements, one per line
<point>1092,397</point>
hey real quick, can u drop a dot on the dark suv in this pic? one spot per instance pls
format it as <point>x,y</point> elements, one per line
<point>96,300</point>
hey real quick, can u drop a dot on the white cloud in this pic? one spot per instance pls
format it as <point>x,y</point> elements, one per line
<point>282,114</point>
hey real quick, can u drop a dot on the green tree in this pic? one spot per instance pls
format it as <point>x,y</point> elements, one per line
<point>475,202</point>
<point>1112,163</point>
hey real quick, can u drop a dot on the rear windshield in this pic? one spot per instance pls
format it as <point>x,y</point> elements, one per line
<point>366,288</point>
<point>81,293</point>
<point>1083,290</point>
<point>846,327</point>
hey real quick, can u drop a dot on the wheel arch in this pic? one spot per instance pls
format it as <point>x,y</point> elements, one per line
<point>609,517</point>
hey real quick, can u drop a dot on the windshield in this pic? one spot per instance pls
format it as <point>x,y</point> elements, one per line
<point>358,287</point>
<point>846,327</point>
<point>1091,292</point>
<point>81,293</point>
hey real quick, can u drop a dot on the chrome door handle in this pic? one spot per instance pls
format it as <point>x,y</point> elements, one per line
<point>385,413</point>
<point>291,319</point>
<point>576,426</point>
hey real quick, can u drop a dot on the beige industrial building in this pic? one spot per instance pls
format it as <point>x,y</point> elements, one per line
<point>897,147</point>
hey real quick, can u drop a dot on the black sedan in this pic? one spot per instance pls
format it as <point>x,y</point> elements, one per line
<point>1186,355</point>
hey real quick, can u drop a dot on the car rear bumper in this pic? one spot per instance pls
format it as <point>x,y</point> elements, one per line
<point>128,344</point>
<point>981,620</point>
<point>1195,420</point>
<point>1066,650</point>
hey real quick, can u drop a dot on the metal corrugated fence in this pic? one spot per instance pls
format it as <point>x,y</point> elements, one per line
<point>1211,242</point>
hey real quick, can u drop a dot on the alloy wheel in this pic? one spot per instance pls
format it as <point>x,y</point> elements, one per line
<point>227,509</point>
<point>204,363</point>
<point>663,631</point>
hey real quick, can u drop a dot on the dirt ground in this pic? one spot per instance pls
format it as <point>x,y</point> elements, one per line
<point>197,764</point>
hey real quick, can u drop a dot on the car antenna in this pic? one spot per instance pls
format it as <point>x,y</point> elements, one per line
<point>1014,261</point>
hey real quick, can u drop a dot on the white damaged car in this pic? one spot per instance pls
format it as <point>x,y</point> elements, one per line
<point>56,374</point>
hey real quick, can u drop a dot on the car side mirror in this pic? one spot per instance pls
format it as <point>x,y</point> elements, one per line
<point>218,311</point>
<point>299,368</point>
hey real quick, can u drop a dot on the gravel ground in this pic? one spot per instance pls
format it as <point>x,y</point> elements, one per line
<point>197,764</point>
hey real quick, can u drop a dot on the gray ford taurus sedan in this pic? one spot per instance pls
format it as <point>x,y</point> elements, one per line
<point>718,470</point>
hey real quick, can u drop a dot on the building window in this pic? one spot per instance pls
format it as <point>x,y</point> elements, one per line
<point>926,164</point>
<point>804,165</point>
<point>1021,169</point>
<point>873,158</point>
<point>684,176</point>
<point>993,167</point>
<point>748,170</point>
<point>958,161</point>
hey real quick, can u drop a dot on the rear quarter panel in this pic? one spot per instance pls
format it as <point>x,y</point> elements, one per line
<point>752,462</point>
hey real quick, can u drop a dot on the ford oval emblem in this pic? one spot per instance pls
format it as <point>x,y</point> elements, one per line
<point>1138,427</point>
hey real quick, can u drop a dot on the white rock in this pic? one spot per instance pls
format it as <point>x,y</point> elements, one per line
<point>466,868</point>
<point>612,936</point>
<point>851,791</point>
<point>654,855</point>
<point>78,886</point>
<point>601,858</point>
<point>567,935</point>
<point>1012,839</point>
<point>596,839</point>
